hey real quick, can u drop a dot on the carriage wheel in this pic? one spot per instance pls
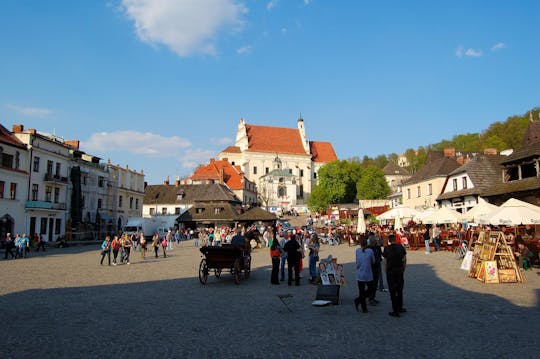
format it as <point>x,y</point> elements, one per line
<point>217,272</point>
<point>203,272</point>
<point>247,268</point>
<point>236,271</point>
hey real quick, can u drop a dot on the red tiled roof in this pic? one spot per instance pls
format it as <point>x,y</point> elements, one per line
<point>8,138</point>
<point>322,151</point>
<point>232,149</point>
<point>232,175</point>
<point>274,140</point>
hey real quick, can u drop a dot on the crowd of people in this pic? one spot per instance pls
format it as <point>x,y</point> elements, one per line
<point>20,245</point>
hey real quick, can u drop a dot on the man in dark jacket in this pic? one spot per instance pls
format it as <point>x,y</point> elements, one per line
<point>294,254</point>
<point>396,260</point>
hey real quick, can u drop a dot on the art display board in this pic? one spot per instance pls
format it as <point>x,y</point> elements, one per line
<point>331,272</point>
<point>467,261</point>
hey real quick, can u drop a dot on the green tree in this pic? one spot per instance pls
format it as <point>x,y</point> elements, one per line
<point>381,161</point>
<point>372,184</point>
<point>495,142</point>
<point>339,179</point>
<point>318,200</point>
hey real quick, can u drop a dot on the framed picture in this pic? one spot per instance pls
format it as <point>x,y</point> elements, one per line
<point>491,272</point>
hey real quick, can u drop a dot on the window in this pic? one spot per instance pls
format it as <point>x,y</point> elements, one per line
<point>84,179</point>
<point>35,189</point>
<point>7,160</point>
<point>454,184</point>
<point>254,170</point>
<point>130,202</point>
<point>176,210</point>
<point>17,160</point>
<point>315,175</point>
<point>179,196</point>
<point>464,182</point>
<point>152,211</point>
<point>57,226</point>
<point>136,203</point>
<point>301,191</point>
<point>49,167</point>
<point>199,210</point>
<point>282,191</point>
<point>36,166</point>
<point>301,173</point>
<point>164,210</point>
<point>58,167</point>
<point>56,195</point>
<point>528,170</point>
<point>430,189</point>
<point>266,170</point>
<point>232,163</point>
<point>100,181</point>
<point>99,203</point>
<point>2,184</point>
<point>418,192</point>
<point>290,171</point>
<point>43,226</point>
<point>48,193</point>
<point>408,193</point>
<point>120,201</point>
<point>217,210</point>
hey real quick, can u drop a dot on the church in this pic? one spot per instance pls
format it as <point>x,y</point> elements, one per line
<point>281,161</point>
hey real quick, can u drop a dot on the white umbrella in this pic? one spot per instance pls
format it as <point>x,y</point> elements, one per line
<point>443,215</point>
<point>421,215</point>
<point>480,210</point>
<point>401,211</point>
<point>397,223</point>
<point>513,213</point>
<point>361,228</point>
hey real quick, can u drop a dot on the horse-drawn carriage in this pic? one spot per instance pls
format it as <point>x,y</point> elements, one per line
<point>227,257</point>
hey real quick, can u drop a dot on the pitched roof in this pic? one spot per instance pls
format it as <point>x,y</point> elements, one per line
<point>226,213</point>
<point>274,140</point>
<point>8,138</point>
<point>256,214</point>
<point>524,153</point>
<point>393,169</point>
<point>532,134</point>
<point>436,167</point>
<point>322,151</point>
<point>484,172</point>
<point>527,184</point>
<point>232,175</point>
<point>168,194</point>
<point>232,149</point>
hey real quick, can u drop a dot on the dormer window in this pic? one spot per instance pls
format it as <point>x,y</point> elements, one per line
<point>180,196</point>
<point>199,210</point>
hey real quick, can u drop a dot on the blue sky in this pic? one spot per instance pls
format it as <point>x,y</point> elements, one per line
<point>161,84</point>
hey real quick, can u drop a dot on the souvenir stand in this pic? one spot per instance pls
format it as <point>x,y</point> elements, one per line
<point>493,260</point>
<point>332,278</point>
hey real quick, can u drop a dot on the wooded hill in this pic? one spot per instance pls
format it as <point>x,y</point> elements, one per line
<point>499,135</point>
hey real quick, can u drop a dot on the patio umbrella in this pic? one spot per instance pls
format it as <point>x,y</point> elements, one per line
<point>513,213</point>
<point>397,223</point>
<point>443,215</point>
<point>361,227</point>
<point>423,214</point>
<point>480,210</point>
<point>401,211</point>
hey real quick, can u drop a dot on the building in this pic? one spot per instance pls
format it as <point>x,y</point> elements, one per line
<point>13,183</point>
<point>222,171</point>
<point>395,176</point>
<point>256,148</point>
<point>422,189</point>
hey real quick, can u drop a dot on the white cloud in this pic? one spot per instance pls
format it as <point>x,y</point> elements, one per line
<point>194,157</point>
<point>244,50</point>
<point>271,4</point>
<point>498,46</point>
<point>460,52</point>
<point>187,27</point>
<point>306,2</point>
<point>140,143</point>
<point>29,111</point>
<point>222,141</point>
<point>283,30</point>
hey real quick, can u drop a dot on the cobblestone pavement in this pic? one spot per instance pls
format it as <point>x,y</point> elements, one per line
<point>63,304</point>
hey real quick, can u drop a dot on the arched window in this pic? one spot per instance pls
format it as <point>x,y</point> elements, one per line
<point>282,191</point>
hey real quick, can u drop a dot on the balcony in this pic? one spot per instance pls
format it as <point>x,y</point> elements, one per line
<point>55,179</point>
<point>44,205</point>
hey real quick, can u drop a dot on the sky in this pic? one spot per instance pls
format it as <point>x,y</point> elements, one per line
<point>160,85</point>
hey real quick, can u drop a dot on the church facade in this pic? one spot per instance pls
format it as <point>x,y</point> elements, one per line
<point>281,161</point>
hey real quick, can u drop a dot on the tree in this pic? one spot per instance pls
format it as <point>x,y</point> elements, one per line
<point>339,179</point>
<point>318,200</point>
<point>372,184</point>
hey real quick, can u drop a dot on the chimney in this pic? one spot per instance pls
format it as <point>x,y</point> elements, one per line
<point>177,182</point>
<point>490,151</point>
<point>212,160</point>
<point>17,128</point>
<point>460,160</point>
<point>73,143</point>
<point>450,152</point>
<point>32,131</point>
<point>166,182</point>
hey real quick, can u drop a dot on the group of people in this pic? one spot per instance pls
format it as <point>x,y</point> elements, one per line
<point>125,244</point>
<point>19,247</point>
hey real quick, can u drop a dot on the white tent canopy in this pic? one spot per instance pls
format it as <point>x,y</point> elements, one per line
<point>400,211</point>
<point>443,215</point>
<point>513,213</point>
<point>482,209</point>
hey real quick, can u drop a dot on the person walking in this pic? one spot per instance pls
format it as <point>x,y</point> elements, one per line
<point>127,245</point>
<point>169,240</point>
<point>364,275</point>
<point>24,246</point>
<point>155,244</point>
<point>10,244</point>
<point>142,242</point>
<point>106,250</point>
<point>426,238</point>
<point>41,243</point>
<point>275,254</point>
<point>283,259</point>
<point>313,258</point>
<point>375,268</point>
<point>115,245</point>
<point>164,246</point>
<point>395,262</point>
<point>294,255</point>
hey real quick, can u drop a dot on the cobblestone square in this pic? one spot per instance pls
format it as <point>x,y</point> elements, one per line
<point>63,304</point>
